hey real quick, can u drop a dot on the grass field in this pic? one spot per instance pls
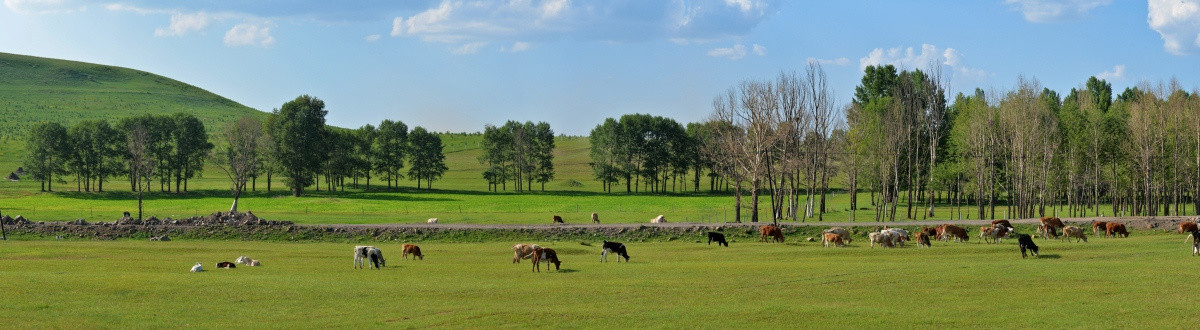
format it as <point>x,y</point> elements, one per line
<point>1107,283</point>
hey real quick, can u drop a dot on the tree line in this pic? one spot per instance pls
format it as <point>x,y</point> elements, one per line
<point>519,152</point>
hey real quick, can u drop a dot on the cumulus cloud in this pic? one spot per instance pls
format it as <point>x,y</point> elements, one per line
<point>516,47</point>
<point>736,52</point>
<point>459,22</point>
<point>249,34</point>
<point>1178,22</point>
<point>841,61</point>
<point>28,7</point>
<point>1117,73</point>
<point>469,48</point>
<point>372,38</point>
<point>1043,11</point>
<point>183,23</point>
<point>909,58</point>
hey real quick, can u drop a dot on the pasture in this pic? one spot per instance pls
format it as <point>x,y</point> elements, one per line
<point>1107,283</point>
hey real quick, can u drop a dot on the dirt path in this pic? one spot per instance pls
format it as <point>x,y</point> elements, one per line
<point>1135,222</point>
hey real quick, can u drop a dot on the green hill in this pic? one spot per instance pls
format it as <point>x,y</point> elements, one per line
<point>36,89</point>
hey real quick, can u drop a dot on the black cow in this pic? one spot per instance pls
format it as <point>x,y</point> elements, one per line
<point>226,264</point>
<point>1195,242</point>
<point>717,237</point>
<point>613,247</point>
<point>1026,243</point>
<point>558,219</point>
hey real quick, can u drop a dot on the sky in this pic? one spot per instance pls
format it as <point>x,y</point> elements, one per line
<point>459,65</point>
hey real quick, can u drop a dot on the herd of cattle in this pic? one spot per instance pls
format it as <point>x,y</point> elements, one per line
<point>366,256</point>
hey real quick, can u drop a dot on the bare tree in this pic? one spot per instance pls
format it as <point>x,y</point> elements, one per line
<point>141,161</point>
<point>242,156</point>
<point>753,109</point>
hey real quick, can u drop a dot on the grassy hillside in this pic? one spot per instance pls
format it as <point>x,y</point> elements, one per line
<point>35,89</point>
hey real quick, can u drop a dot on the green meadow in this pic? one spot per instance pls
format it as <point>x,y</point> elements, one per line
<point>1106,283</point>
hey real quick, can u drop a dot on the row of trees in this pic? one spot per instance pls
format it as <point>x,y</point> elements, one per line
<point>519,152</point>
<point>645,150</point>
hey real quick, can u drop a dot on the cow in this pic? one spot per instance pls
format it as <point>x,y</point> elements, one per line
<point>412,249</point>
<point>883,238</point>
<point>522,251</point>
<point>253,263</point>
<point>923,239</point>
<point>955,232</point>
<point>1074,232</point>
<point>900,236</point>
<point>558,219</point>
<point>1001,222</point>
<point>197,268</point>
<point>613,247</point>
<point>940,232</point>
<point>367,253</point>
<point>774,232</point>
<point>1026,243</point>
<point>1097,226</point>
<point>226,265</point>
<point>544,254</point>
<point>1187,227</point>
<point>831,238</point>
<point>659,219</point>
<point>1195,242</point>
<point>431,220</point>
<point>995,233</point>
<point>595,218</point>
<point>717,237</point>
<point>1115,228</point>
<point>929,232</point>
<point>247,261</point>
<point>1050,226</point>
<point>842,233</point>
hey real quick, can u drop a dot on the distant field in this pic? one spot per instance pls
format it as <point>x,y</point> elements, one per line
<point>1107,283</point>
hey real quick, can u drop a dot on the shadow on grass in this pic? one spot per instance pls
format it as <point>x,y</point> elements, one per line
<point>1049,256</point>
<point>564,270</point>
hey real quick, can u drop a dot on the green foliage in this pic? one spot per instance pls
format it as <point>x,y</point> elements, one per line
<point>299,132</point>
<point>428,161</point>
<point>391,148</point>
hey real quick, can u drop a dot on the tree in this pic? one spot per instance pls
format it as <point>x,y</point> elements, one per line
<point>604,144</point>
<point>428,161</point>
<point>191,149</point>
<point>498,150</point>
<point>241,157</point>
<point>95,153</point>
<point>299,133</point>
<point>47,152</point>
<point>141,160</point>
<point>364,149</point>
<point>542,153</point>
<point>391,143</point>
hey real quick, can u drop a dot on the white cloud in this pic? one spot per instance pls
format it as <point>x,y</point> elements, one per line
<point>249,34</point>
<point>1043,11</point>
<point>183,23</point>
<point>1117,73</point>
<point>841,61</point>
<point>469,48</point>
<point>27,7</point>
<point>1178,22</point>
<point>397,26</point>
<point>372,38</point>
<point>747,6</point>
<point>909,58</point>
<point>760,50</point>
<point>516,47</point>
<point>736,52</point>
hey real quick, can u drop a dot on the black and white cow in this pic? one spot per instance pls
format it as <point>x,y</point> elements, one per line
<point>613,247</point>
<point>717,237</point>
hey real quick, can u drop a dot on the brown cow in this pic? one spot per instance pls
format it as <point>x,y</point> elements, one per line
<point>595,218</point>
<point>544,254</point>
<point>1074,232</point>
<point>1050,227</point>
<point>1097,226</point>
<point>411,249</point>
<point>774,232</point>
<point>831,238</point>
<point>558,219</point>
<point>922,238</point>
<point>995,233</point>
<point>1187,227</point>
<point>1115,228</point>
<point>955,232</point>
<point>930,232</point>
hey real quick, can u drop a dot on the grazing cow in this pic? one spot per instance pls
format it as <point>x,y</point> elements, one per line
<point>1195,242</point>
<point>717,237</point>
<point>522,251</point>
<point>226,265</point>
<point>883,238</point>
<point>842,233</point>
<point>995,233</point>
<point>900,235</point>
<point>595,218</point>
<point>955,232</point>
<point>930,232</point>
<point>197,268</point>
<point>1074,232</point>
<point>659,219</point>
<point>613,247</point>
<point>431,220</point>
<point>1115,228</point>
<point>831,238</point>
<point>1026,243</point>
<point>1001,222</point>
<point>940,232</point>
<point>376,258</point>
<point>367,253</point>
<point>1187,227</point>
<point>1097,226</point>
<point>558,219</point>
<point>923,239</point>
<point>547,255</point>
<point>1050,227</point>
<point>412,249</point>
<point>771,231</point>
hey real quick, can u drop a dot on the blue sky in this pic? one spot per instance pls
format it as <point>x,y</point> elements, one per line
<point>457,65</point>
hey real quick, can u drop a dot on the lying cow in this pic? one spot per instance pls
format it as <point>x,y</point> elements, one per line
<point>431,220</point>
<point>659,219</point>
<point>226,265</point>
<point>1026,243</point>
<point>772,231</point>
<point>1070,232</point>
<point>1115,228</point>
<point>613,247</point>
<point>547,255</point>
<point>412,249</point>
<point>247,261</point>
<point>717,237</point>
<point>522,251</point>
<point>832,239</point>
<point>197,268</point>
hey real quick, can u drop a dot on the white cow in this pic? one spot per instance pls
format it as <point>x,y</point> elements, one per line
<point>659,219</point>
<point>432,220</point>
<point>197,268</point>
<point>841,232</point>
<point>899,235</point>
